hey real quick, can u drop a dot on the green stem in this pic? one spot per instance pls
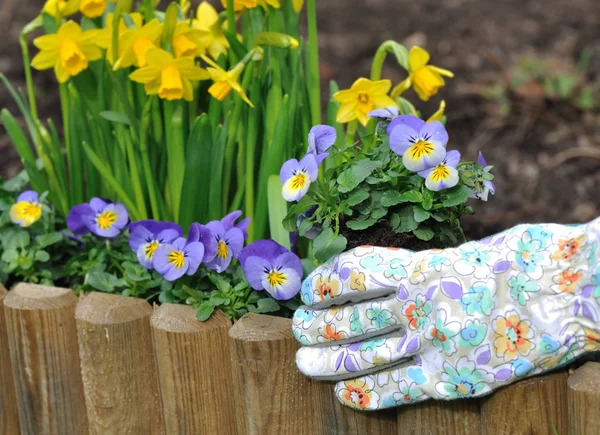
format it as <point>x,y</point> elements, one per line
<point>231,17</point>
<point>351,132</point>
<point>147,168</point>
<point>312,61</point>
<point>388,47</point>
<point>28,78</point>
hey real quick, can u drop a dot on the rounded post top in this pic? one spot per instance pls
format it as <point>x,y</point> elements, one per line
<point>586,378</point>
<point>39,297</point>
<point>260,327</point>
<point>105,308</point>
<point>182,318</point>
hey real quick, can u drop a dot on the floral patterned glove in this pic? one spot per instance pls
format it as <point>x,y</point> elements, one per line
<point>397,327</point>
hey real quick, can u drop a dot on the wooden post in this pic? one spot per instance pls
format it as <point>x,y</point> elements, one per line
<point>42,339</point>
<point>194,370</point>
<point>457,417</point>
<point>117,365</point>
<point>9,417</point>
<point>272,396</point>
<point>584,400</point>
<point>532,406</point>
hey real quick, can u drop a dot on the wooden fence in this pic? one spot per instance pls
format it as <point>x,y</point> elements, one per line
<point>106,364</point>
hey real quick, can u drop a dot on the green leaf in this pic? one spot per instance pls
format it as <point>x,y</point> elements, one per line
<point>277,212</point>
<point>457,195</point>
<point>19,239</point>
<point>420,214</point>
<point>305,226</point>
<point>357,197</point>
<point>42,256</point>
<point>105,281</point>
<point>327,244</point>
<point>352,177</point>
<point>360,224</point>
<point>424,233</point>
<point>45,240</point>
<point>427,200</point>
<point>406,220</point>
<point>204,311</point>
<point>267,305</point>
<point>119,118</point>
<point>392,197</point>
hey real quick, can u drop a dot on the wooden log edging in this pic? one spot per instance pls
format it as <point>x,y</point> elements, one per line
<point>9,417</point>
<point>118,368</point>
<point>42,339</point>
<point>584,400</point>
<point>194,371</point>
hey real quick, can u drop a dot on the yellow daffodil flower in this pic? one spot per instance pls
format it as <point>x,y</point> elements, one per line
<point>213,40</point>
<point>187,41</point>
<point>68,51</point>
<point>104,38</point>
<point>362,98</point>
<point>167,76</point>
<point>266,3</point>
<point>439,114</point>
<point>184,5</point>
<point>225,81</point>
<point>425,79</point>
<point>134,43</point>
<point>240,5</point>
<point>92,8</point>
<point>61,8</point>
<point>297,4</point>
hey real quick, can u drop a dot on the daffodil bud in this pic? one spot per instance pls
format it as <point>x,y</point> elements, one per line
<point>279,40</point>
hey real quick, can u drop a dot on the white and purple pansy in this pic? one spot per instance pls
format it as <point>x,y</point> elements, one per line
<point>320,139</point>
<point>181,257</point>
<point>271,267</point>
<point>444,175</point>
<point>296,177</point>
<point>101,217</point>
<point>386,114</point>
<point>146,236</point>
<point>422,145</point>
<point>484,187</point>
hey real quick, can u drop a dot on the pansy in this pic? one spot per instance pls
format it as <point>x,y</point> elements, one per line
<point>27,210</point>
<point>226,81</point>
<point>315,230</point>
<point>178,258</point>
<point>422,145</point>
<point>296,177</point>
<point>386,114</point>
<point>145,237</point>
<point>101,217</point>
<point>482,186</point>
<point>320,139</point>
<point>68,51</point>
<point>222,240</point>
<point>444,175</point>
<point>364,96</point>
<point>271,267</point>
<point>425,79</point>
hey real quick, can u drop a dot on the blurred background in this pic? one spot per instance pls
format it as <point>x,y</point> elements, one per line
<point>526,91</point>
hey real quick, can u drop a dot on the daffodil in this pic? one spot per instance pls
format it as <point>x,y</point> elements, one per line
<point>167,76</point>
<point>134,44</point>
<point>225,81</point>
<point>187,41</point>
<point>362,98</point>
<point>61,8</point>
<point>69,51</point>
<point>297,4</point>
<point>92,8</point>
<point>240,5</point>
<point>213,40</point>
<point>104,38</point>
<point>27,210</point>
<point>266,3</point>
<point>425,79</point>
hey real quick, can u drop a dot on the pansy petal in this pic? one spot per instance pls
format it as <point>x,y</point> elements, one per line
<point>402,137</point>
<point>289,260</point>
<point>228,220</point>
<point>436,182</point>
<point>452,158</point>
<point>434,131</point>
<point>268,249</point>
<point>138,236</point>
<point>235,241</point>
<point>194,253</point>
<point>321,138</point>
<point>243,225</point>
<point>142,256</point>
<point>160,259</point>
<point>155,226</point>
<point>412,121</point>
<point>286,290</point>
<point>175,273</point>
<point>417,161</point>
<point>310,166</point>
<point>481,160</point>
<point>179,243</point>
<point>121,212</point>
<point>75,222</point>
<point>255,269</point>
<point>167,236</point>
<point>288,169</point>
<point>387,113</point>
<point>28,196</point>
<point>98,204</point>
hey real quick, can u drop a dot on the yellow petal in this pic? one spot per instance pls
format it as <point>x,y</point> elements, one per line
<point>441,71</point>
<point>298,4</point>
<point>69,30</point>
<point>137,19</point>
<point>383,101</point>
<point>188,90</point>
<point>417,58</point>
<point>91,52</point>
<point>45,59</point>
<point>401,87</point>
<point>242,94</point>
<point>158,56</point>
<point>380,87</point>
<point>206,14</point>
<point>47,42</point>
<point>152,30</point>
<point>362,84</point>
<point>220,89</point>
<point>92,8</point>
<point>61,74</point>
<point>213,64</point>
<point>346,113</point>
<point>439,114</point>
<point>190,70</point>
<point>146,74</point>
<point>345,96</point>
<point>152,87</point>
<point>362,118</point>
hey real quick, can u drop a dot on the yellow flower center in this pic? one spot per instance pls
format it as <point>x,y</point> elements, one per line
<point>92,8</point>
<point>299,180</point>
<point>363,98</point>
<point>183,47</point>
<point>171,86</point>
<point>441,172</point>
<point>420,148</point>
<point>222,250</point>
<point>72,58</point>
<point>151,248</point>
<point>139,48</point>
<point>177,259</point>
<point>276,278</point>
<point>106,220</point>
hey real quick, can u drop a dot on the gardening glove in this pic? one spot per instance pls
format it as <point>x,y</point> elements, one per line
<point>394,326</point>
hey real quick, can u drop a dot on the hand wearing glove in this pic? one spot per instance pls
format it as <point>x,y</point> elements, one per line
<point>396,327</point>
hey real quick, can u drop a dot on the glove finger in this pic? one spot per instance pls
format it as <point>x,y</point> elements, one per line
<point>386,389</point>
<point>362,273</point>
<point>351,360</point>
<point>348,323</point>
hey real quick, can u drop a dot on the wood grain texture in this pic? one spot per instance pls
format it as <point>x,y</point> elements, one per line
<point>532,406</point>
<point>194,371</point>
<point>118,368</point>
<point>43,347</point>
<point>9,417</point>
<point>457,417</point>
<point>273,397</point>
<point>584,400</point>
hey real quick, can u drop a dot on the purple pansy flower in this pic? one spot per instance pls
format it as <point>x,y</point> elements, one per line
<point>296,177</point>
<point>421,144</point>
<point>145,237</point>
<point>483,187</point>
<point>271,267</point>
<point>444,175</point>
<point>320,139</point>
<point>27,210</point>
<point>173,260</point>
<point>222,240</point>
<point>386,114</point>
<point>101,217</point>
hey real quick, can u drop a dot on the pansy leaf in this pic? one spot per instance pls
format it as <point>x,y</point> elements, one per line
<point>204,311</point>
<point>352,177</point>
<point>42,256</point>
<point>45,240</point>
<point>327,244</point>
<point>357,197</point>
<point>392,197</point>
<point>424,233</point>
<point>360,224</point>
<point>304,227</point>
<point>105,281</point>
<point>406,220</point>
<point>457,195</point>
<point>267,305</point>
<point>420,214</point>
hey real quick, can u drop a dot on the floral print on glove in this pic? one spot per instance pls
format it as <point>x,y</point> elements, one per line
<point>394,327</point>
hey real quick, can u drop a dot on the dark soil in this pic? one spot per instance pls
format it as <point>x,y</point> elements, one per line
<point>546,152</point>
<point>383,235</point>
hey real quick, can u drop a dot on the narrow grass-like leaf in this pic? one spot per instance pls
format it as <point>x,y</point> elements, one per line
<point>277,212</point>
